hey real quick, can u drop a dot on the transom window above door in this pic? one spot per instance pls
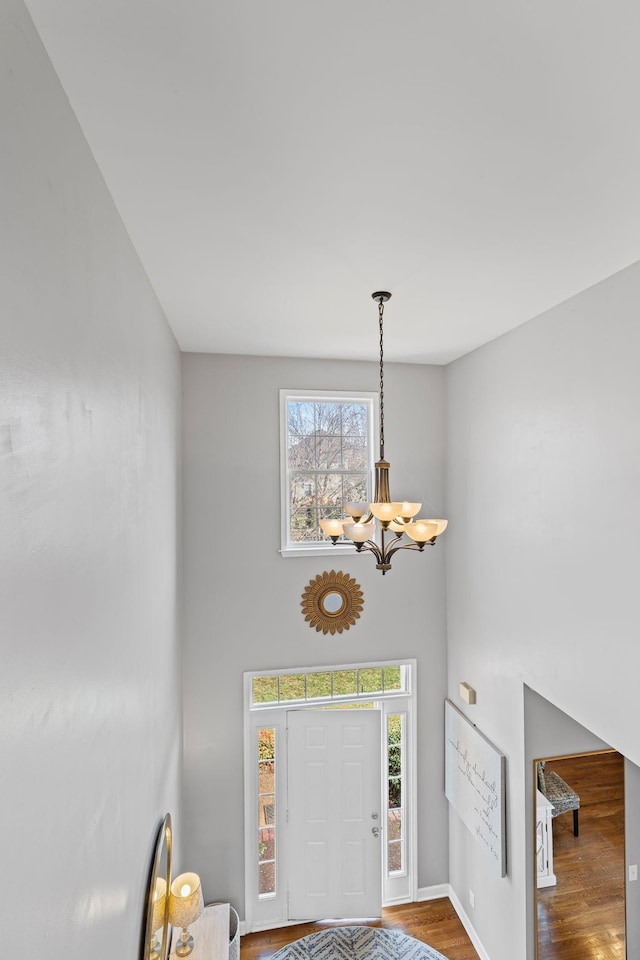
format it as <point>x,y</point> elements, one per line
<point>326,461</point>
<point>322,685</point>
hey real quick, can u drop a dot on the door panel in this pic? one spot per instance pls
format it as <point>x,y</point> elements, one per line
<point>334,823</point>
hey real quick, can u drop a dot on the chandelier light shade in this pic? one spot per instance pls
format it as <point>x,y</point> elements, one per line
<point>369,525</point>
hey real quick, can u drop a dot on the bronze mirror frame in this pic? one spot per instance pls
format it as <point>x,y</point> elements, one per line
<point>332,602</point>
<point>162,849</point>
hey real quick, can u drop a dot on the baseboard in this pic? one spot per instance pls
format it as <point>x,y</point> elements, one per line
<point>466,923</point>
<point>433,893</point>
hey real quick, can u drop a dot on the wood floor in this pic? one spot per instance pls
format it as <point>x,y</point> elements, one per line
<point>583,917</point>
<point>434,922</point>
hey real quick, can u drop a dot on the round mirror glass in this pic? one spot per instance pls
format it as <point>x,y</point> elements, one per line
<point>332,601</point>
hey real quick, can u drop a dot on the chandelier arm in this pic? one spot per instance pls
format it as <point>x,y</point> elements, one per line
<point>372,546</point>
<point>389,550</point>
<point>408,546</point>
<point>404,546</point>
<point>383,550</point>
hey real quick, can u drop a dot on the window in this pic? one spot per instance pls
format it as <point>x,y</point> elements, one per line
<point>326,460</point>
<point>316,686</point>
<point>395,806</point>
<point>266,811</point>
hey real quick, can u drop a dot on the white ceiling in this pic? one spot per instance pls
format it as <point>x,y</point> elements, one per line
<point>276,161</point>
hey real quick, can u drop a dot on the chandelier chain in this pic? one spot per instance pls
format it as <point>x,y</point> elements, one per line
<point>380,313</point>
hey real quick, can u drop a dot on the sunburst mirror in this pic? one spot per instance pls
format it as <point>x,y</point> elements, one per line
<point>332,602</point>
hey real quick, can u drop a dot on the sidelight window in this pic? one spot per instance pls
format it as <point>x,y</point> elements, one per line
<point>266,811</point>
<point>395,806</point>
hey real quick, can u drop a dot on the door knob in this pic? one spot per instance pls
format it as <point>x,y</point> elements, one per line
<point>375,831</point>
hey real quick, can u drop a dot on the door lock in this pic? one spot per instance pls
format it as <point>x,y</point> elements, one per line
<point>374,816</point>
<point>375,831</point>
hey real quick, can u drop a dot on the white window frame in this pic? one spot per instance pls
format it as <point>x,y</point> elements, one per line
<point>317,548</point>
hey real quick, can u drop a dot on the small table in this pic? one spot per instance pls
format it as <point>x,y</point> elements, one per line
<point>210,933</point>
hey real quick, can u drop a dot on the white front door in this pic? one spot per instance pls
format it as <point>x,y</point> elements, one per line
<point>334,827</point>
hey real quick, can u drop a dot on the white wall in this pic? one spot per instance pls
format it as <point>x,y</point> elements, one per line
<point>543,478</point>
<point>242,599</point>
<point>89,426</point>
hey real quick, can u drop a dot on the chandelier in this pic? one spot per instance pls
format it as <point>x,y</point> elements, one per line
<point>394,519</point>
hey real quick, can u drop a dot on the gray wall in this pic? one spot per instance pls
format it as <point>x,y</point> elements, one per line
<point>632,845</point>
<point>543,469</point>
<point>89,434</point>
<point>242,599</point>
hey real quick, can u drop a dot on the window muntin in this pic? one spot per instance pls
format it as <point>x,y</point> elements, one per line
<point>327,460</point>
<point>328,685</point>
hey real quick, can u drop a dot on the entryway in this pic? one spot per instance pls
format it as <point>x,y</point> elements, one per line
<point>298,837</point>
<point>583,912</point>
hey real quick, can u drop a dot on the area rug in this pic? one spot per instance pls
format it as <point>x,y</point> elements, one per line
<point>358,943</point>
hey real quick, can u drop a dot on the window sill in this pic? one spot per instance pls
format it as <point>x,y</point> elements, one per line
<point>339,550</point>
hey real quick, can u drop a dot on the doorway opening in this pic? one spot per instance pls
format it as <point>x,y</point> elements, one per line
<point>271,833</point>
<point>580,856</point>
